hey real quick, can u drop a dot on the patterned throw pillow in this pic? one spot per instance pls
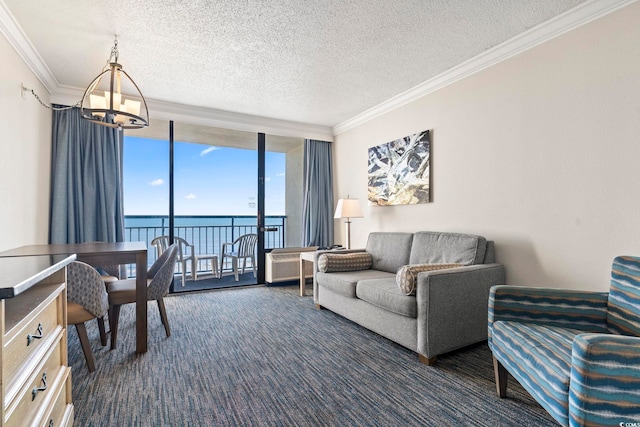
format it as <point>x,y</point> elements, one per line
<point>407,275</point>
<point>331,263</point>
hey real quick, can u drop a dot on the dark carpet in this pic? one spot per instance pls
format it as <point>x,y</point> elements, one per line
<point>263,356</point>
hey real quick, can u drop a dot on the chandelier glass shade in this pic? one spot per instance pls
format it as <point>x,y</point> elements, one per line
<point>113,99</point>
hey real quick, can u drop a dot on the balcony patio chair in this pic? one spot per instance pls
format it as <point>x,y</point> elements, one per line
<point>244,247</point>
<point>86,300</point>
<point>159,279</point>
<point>185,254</point>
<point>576,352</point>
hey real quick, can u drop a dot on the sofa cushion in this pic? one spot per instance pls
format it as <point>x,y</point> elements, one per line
<point>344,283</point>
<point>407,275</point>
<point>329,263</point>
<point>384,293</point>
<point>389,251</point>
<point>539,357</point>
<point>430,247</point>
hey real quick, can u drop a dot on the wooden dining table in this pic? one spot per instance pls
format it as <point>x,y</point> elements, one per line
<point>97,254</point>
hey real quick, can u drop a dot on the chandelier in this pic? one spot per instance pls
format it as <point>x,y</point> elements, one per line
<point>113,99</point>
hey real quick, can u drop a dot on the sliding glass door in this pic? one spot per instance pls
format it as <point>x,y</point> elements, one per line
<point>216,204</point>
<point>229,197</point>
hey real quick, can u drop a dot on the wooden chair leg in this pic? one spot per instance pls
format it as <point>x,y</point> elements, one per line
<point>86,347</point>
<point>501,376</point>
<point>103,332</point>
<point>114,316</point>
<point>163,316</point>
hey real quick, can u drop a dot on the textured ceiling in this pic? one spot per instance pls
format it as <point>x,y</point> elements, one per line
<point>310,61</point>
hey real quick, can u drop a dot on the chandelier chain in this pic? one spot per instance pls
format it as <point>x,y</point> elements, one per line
<point>114,55</point>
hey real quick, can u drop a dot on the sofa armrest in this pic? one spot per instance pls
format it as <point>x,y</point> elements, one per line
<point>605,380</point>
<point>452,306</point>
<point>582,310</point>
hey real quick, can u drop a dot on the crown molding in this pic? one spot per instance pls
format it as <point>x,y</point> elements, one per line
<point>12,31</point>
<point>546,31</point>
<point>67,95</point>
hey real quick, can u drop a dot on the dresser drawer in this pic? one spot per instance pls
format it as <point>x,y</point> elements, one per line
<point>38,393</point>
<point>61,411</point>
<point>26,344</point>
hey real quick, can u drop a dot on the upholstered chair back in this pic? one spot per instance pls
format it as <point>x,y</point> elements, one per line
<point>160,261</point>
<point>86,288</point>
<point>623,307</point>
<point>162,271</point>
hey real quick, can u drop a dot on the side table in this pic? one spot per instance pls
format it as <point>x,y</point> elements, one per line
<point>305,258</point>
<point>205,257</point>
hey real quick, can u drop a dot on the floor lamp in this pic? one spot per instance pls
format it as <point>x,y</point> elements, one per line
<point>348,208</point>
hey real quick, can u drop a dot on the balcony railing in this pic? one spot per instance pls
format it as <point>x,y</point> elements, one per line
<point>205,233</point>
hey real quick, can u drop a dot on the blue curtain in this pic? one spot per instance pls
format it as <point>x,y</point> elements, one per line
<point>86,181</point>
<point>317,212</point>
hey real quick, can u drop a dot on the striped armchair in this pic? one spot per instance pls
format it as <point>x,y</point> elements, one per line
<point>577,353</point>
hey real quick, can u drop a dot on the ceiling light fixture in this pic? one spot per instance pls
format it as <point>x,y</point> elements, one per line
<point>113,99</point>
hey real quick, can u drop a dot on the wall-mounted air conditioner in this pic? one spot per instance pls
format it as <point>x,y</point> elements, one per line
<point>284,264</point>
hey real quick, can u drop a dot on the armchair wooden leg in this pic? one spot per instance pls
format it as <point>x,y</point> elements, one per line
<point>502,376</point>
<point>429,361</point>
<point>163,316</point>
<point>86,347</point>
<point>114,316</point>
<point>234,261</point>
<point>103,332</point>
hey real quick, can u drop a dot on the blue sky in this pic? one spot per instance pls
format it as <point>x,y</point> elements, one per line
<point>209,180</point>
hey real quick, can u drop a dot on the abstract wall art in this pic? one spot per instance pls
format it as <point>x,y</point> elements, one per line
<point>399,171</point>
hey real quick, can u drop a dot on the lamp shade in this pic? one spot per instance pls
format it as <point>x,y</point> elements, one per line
<point>348,208</point>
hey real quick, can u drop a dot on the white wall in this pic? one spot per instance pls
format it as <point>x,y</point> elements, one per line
<point>25,154</point>
<point>540,153</point>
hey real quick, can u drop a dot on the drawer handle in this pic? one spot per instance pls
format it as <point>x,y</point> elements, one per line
<point>31,337</point>
<point>35,391</point>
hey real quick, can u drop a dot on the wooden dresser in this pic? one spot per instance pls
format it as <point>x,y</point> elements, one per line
<point>36,378</point>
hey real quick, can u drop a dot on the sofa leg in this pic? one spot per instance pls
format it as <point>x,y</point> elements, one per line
<point>318,306</point>
<point>429,361</point>
<point>502,376</point>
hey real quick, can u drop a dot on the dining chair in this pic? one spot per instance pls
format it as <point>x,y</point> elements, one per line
<point>159,278</point>
<point>86,300</point>
<point>185,254</point>
<point>111,273</point>
<point>243,248</point>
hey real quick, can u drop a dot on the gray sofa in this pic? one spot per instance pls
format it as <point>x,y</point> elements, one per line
<point>449,308</point>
